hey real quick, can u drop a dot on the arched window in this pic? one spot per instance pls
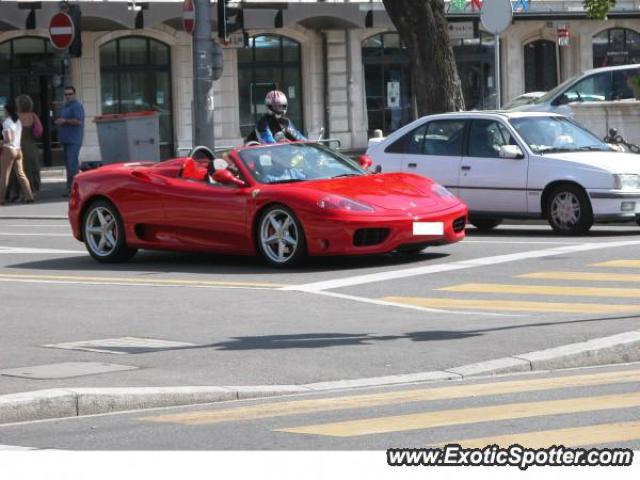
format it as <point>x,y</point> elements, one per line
<point>31,66</point>
<point>135,75</point>
<point>540,66</point>
<point>387,77</point>
<point>269,62</point>
<point>616,46</point>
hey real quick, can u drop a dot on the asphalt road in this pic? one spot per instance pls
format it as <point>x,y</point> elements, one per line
<point>582,408</point>
<point>166,319</point>
<point>179,319</point>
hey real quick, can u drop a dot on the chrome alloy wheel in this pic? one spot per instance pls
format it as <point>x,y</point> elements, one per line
<point>101,231</point>
<point>565,210</point>
<point>279,236</point>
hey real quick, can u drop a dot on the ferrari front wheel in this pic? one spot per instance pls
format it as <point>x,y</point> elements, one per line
<point>281,240</point>
<point>104,233</point>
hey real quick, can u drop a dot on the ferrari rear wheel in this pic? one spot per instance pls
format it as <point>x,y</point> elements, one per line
<point>104,233</point>
<point>281,239</point>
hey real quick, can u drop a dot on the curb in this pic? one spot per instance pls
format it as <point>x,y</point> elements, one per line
<point>73,402</point>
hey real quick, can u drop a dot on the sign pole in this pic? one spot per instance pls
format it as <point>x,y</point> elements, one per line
<point>203,106</point>
<point>496,16</point>
<point>497,62</point>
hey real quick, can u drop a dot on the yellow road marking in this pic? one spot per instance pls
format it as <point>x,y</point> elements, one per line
<point>463,416</point>
<point>138,281</point>
<point>618,264</point>
<point>513,306</point>
<point>585,276</point>
<point>297,407</point>
<point>544,290</point>
<point>567,437</point>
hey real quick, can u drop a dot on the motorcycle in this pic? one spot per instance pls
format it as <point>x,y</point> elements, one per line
<point>618,142</point>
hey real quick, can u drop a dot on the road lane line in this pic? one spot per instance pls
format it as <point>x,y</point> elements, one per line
<point>466,416</point>
<point>5,448</point>
<point>567,437</point>
<point>299,407</point>
<point>544,290</point>
<point>583,276</point>
<point>512,306</point>
<point>22,234</point>
<point>463,264</point>
<point>391,303</point>
<point>135,281</point>
<point>39,225</point>
<point>520,242</point>
<point>618,264</point>
<point>18,250</point>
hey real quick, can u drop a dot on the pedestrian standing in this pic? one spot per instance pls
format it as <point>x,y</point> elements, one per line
<point>70,132</point>
<point>11,155</point>
<point>31,131</point>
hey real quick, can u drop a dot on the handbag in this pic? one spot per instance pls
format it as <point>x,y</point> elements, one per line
<point>36,128</point>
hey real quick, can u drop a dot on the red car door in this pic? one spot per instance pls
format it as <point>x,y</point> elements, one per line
<point>204,216</point>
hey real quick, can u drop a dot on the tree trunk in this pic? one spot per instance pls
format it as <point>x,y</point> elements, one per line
<point>424,30</point>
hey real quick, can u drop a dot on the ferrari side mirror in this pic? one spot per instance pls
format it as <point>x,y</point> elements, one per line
<point>225,177</point>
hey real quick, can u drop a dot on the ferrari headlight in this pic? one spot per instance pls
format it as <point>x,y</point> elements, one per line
<point>336,202</point>
<point>441,191</point>
<point>626,182</point>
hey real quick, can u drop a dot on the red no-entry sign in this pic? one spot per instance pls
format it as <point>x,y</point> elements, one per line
<point>188,16</point>
<point>61,30</point>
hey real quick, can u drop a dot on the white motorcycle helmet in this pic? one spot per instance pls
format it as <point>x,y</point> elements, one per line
<point>276,102</point>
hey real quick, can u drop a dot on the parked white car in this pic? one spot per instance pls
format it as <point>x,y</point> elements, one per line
<point>519,165</point>
<point>524,99</point>
<point>596,85</point>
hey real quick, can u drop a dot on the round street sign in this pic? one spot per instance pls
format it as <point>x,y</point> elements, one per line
<point>61,30</point>
<point>188,16</point>
<point>496,15</point>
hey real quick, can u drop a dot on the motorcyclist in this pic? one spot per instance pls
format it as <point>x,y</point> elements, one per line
<point>273,126</point>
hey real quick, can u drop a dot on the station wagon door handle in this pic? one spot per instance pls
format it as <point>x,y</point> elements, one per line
<point>466,167</point>
<point>412,165</point>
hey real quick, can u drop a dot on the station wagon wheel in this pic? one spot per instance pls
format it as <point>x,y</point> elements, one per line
<point>569,210</point>
<point>103,231</point>
<point>280,237</point>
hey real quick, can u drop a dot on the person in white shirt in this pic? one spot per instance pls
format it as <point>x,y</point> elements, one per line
<point>11,154</point>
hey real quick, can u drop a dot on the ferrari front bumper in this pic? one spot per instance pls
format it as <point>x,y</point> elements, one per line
<point>376,235</point>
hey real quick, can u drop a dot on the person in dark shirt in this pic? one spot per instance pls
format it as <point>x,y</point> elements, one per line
<point>273,126</point>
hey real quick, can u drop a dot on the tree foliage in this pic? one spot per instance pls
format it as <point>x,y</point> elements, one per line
<point>598,9</point>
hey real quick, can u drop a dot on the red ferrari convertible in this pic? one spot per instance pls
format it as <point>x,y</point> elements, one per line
<point>283,201</point>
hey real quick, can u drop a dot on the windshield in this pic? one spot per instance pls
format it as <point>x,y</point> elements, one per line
<point>297,162</point>
<point>556,134</point>
<point>551,94</point>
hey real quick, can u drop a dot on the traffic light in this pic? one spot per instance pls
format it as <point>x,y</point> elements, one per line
<point>75,49</point>
<point>30,24</point>
<point>230,19</point>
<point>30,21</point>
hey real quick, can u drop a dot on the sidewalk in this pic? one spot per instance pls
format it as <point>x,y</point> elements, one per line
<point>49,202</point>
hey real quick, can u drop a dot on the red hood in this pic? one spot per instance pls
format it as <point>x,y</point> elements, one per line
<point>391,191</point>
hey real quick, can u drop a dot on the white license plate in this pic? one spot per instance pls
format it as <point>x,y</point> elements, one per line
<point>428,228</point>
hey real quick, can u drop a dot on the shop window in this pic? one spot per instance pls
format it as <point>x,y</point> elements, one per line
<point>269,62</point>
<point>616,46</point>
<point>475,62</point>
<point>135,75</point>
<point>31,66</point>
<point>540,66</point>
<point>387,77</point>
